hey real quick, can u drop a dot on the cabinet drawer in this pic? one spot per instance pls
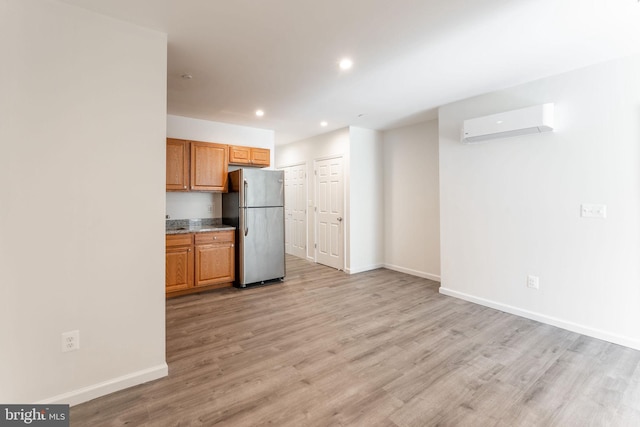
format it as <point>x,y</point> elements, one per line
<point>178,240</point>
<point>214,237</point>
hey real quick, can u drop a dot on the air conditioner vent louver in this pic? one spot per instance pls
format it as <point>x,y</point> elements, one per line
<point>535,119</point>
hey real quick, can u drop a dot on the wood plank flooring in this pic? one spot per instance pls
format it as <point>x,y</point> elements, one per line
<point>379,348</point>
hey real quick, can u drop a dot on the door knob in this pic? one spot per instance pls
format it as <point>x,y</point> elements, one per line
<point>339,219</point>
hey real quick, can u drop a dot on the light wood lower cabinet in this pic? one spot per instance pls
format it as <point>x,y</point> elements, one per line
<point>215,258</point>
<point>199,262</point>
<point>179,262</point>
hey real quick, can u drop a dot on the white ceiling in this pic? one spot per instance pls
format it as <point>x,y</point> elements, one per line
<point>410,56</point>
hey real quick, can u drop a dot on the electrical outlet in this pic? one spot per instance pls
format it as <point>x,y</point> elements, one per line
<point>70,341</point>
<point>533,282</point>
<point>210,208</point>
<point>589,210</point>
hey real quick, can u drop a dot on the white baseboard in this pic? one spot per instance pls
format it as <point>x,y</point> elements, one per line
<point>362,269</point>
<point>550,320</point>
<point>417,273</point>
<point>85,394</point>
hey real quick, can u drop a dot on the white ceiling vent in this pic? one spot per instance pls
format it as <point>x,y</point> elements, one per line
<point>535,119</point>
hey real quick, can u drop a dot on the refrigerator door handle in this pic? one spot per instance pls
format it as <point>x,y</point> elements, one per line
<point>246,226</point>
<point>246,188</point>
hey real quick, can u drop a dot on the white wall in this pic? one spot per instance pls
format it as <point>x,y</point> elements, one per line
<point>330,144</point>
<point>366,240</point>
<point>411,200</point>
<point>82,130</point>
<point>510,208</point>
<point>361,150</point>
<point>223,133</point>
<point>195,204</point>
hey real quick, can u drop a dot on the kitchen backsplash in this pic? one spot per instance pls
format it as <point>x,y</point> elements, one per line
<point>193,205</point>
<point>177,223</point>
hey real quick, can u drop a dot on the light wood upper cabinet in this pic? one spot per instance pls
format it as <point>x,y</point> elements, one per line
<point>177,165</point>
<point>260,157</point>
<point>203,166</point>
<point>208,166</point>
<point>239,155</point>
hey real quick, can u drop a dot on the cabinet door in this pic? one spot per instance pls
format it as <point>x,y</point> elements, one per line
<point>177,165</point>
<point>239,155</point>
<point>260,156</point>
<point>208,166</point>
<point>179,268</point>
<point>214,264</point>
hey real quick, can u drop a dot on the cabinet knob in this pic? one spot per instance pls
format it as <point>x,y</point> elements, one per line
<point>215,237</point>
<point>232,245</point>
<point>184,186</point>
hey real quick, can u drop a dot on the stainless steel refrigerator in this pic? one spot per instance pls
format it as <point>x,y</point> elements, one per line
<point>255,206</point>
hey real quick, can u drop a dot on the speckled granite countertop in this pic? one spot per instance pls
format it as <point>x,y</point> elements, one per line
<point>184,226</point>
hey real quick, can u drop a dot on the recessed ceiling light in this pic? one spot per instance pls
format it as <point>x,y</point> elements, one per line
<point>324,124</point>
<point>259,113</point>
<point>345,64</point>
<point>187,76</point>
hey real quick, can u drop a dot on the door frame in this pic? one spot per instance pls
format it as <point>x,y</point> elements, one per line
<point>315,208</point>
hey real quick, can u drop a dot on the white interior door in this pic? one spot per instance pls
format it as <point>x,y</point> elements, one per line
<point>295,181</point>
<point>329,212</point>
<point>287,210</point>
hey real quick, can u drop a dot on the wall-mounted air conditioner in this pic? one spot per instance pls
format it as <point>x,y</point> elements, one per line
<point>536,119</point>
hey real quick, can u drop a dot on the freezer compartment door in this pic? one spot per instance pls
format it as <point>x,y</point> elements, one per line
<point>259,188</point>
<point>261,245</point>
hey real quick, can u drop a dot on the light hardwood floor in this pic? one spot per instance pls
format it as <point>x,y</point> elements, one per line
<point>379,348</point>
